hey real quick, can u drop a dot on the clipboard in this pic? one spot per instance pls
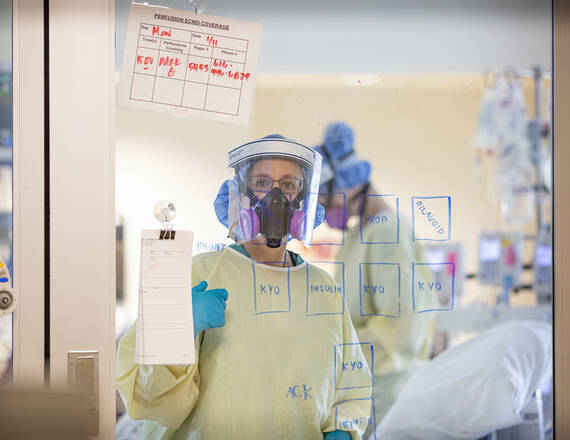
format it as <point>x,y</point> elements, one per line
<point>165,325</point>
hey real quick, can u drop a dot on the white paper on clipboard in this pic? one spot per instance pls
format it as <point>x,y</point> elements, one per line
<point>165,325</point>
<point>189,64</point>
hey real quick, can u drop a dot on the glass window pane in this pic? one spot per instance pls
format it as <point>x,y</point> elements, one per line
<point>434,122</point>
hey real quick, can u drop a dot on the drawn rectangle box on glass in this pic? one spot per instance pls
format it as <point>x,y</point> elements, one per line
<point>390,222</point>
<point>436,290</point>
<point>385,284</point>
<point>327,220</point>
<point>271,296</point>
<point>344,423</point>
<point>353,365</point>
<point>320,297</point>
<point>431,218</point>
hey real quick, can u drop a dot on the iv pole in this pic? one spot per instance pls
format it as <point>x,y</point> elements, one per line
<point>536,145</point>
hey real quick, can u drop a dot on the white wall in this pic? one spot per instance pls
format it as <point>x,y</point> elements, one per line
<point>415,129</point>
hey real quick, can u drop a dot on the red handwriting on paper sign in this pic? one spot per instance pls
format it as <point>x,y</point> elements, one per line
<point>162,33</point>
<point>145,61</point>
<point>230,74</point>
<point>171,62</point>
<point>238,75</point>
<point>200,67</point>
<point>211,41</point>
<point>220,63</point>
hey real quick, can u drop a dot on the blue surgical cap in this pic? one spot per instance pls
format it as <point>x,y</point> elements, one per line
<point>274,136</point>
<point>341,164</point>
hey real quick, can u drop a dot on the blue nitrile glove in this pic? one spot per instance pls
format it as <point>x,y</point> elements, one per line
<point>337,435</point>
<point>208,307</point>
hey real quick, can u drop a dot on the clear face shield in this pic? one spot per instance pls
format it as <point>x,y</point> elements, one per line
<point>273,191</point>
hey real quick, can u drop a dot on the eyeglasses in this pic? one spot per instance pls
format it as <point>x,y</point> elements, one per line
<point>265,183</point>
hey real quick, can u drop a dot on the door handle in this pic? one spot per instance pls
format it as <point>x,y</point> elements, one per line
<point>83,378</point>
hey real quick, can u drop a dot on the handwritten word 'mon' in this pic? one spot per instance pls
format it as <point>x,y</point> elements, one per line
<point>372,288</point>
<point>375,219</point>
<point>430,217</point>
<point>268,289</point>
<point>352,365</point>
<point>429,286</point>
<point>292,392</point>
<point>322,288</point>
<point>162,33</point>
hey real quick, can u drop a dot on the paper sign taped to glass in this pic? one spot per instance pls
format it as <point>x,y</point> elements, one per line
<point>189,64</point>
<point>165,325</point>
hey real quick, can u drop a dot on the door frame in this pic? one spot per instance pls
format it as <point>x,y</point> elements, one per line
<point>82,193</point>
<point>28,192</point>
<point>561,207</point>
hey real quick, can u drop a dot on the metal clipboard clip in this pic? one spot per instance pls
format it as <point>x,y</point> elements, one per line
<point>164,212</point>
<point>167,234</point>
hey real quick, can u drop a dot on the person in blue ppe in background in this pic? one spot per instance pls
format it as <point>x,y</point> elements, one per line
<point>275,358</point>
<point>402,339</point>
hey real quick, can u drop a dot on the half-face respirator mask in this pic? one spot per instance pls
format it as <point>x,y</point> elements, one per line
<point>274,216</point>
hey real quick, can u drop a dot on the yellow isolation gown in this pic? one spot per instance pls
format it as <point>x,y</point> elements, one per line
<point>286,365</point>
<point>402,338</point>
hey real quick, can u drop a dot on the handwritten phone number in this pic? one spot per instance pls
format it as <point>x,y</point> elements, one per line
<point>218,72</point>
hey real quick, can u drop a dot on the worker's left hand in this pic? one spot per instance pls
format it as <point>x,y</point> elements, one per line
<point>208,307</point>
<point>337,435</point>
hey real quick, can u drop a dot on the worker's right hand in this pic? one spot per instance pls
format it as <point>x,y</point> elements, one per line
<point>208,307</point>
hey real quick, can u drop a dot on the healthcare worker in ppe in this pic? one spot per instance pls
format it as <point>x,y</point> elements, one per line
<point>402,338</point>
<point>276,357</point>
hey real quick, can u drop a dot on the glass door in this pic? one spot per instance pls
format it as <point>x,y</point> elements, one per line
<point>434,121</point>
